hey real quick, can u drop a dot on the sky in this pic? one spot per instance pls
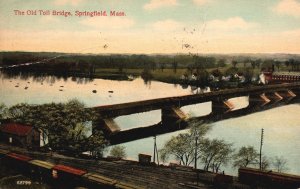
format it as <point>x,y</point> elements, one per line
<point>152,26</point>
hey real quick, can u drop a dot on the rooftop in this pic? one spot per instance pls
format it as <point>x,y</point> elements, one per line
<point>16,129</point>
<point>287,73</point>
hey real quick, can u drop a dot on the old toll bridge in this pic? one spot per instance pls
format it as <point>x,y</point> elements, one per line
<point>173,118</point>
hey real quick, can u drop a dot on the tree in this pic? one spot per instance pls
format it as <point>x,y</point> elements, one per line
<point>65,124</point>
<point>245,156</point>
<point>265,163</point>
<point>182,146</point>
<point>162,66</point>
<point>287,63</point>
<point>277,64</point>
<point>190,68</point>
<point>118,152</point>
<point>291,62</point>
<point>280,164</point>
<point>221,63</point>
<point>258,62</point>
<point>253,64</point>
<point>234,63</point>
<point>268,64</point>
<point>248,73</point>
<point>215,153</point>
<point>179,146</point>
<point>3,111</point>
<point>174,65</point>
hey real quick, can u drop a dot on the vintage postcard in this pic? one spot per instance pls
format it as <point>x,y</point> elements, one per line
<point>150,94</point>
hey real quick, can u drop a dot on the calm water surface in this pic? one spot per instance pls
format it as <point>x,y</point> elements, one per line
<point>281,125</point>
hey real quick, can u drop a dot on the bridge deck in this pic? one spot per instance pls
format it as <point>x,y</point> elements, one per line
<point>116,110</point>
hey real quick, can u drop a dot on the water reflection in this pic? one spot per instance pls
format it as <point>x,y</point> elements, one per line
<point>282,125</point>
<point>42,77</point>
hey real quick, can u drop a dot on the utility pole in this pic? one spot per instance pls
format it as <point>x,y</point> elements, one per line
<point>196,154</point>
<point>196,146</point>
<point>261,143</point>
<point>155,151</point>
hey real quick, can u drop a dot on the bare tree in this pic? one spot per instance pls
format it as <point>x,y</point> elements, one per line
<point>245,156</point>
<point>280,164</point>
<point>215,153</point>
<point>265,163</point>
<point>182,146</point>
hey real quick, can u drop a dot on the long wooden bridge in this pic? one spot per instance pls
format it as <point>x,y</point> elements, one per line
<point>173,118</point>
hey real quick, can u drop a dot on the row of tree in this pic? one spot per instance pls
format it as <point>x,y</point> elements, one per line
<point>291,64</point>
<point>213,153</point>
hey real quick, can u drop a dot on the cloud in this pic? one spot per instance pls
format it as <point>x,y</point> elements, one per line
<point>234,23</point>
<point>201,2</point>
<point>288,7</point>
<point>155,4</point>
<point>147,41</point>
<point>167,25</point>
<point>108,22</point>
<point>66,2</point>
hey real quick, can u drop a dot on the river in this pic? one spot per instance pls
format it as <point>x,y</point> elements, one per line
<point>281,125</point>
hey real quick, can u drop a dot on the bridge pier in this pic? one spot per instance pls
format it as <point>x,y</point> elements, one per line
<point>296,91</point>
<point>274,97</point>
<point>257,102</point>
<point>220,107</point>
<point>172,116</point>
<point>107,125</point>
<point>287,95</point>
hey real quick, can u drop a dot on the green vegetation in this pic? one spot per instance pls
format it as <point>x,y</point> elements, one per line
<point>118,152</point>
<point>214,153</point>
<point>65,124</point>
<point>246,156</point>
<point>3,111</point>
<point>165,68</point>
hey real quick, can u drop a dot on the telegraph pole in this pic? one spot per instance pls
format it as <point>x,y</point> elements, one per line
<point>196,146</point>
<point>261,143</point>
<point>155,151</point>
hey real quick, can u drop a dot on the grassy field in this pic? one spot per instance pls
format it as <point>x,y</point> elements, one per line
<point>166,75</point>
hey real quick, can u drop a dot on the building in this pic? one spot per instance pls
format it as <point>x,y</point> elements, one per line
<point>20,135</point>
<point>285,77</point>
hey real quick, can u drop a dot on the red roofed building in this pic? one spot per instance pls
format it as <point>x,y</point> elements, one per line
<point>20,135</point>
